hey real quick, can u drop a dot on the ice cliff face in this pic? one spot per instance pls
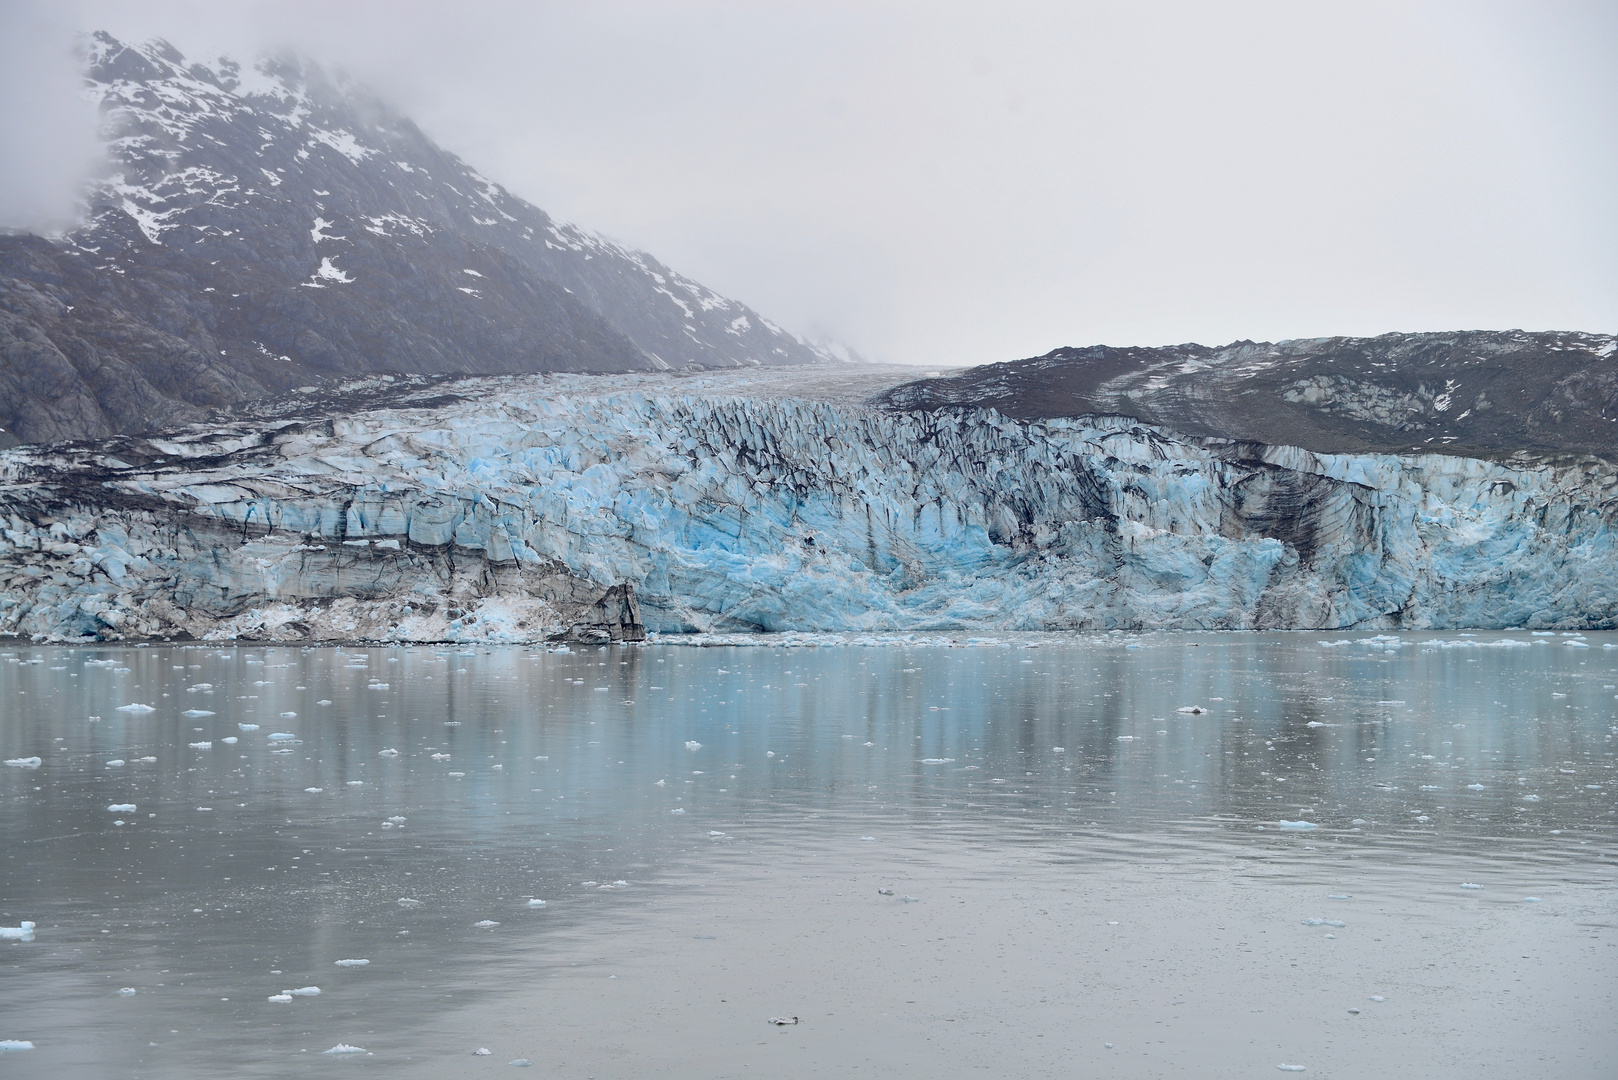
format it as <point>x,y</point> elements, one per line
<point>264,227</point>
<point>504,508</point>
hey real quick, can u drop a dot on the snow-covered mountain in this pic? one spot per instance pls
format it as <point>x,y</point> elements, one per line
<point>268,226</point>
<point>511,508</point>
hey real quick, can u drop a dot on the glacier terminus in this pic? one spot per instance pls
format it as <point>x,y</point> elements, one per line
<point>523,507</point>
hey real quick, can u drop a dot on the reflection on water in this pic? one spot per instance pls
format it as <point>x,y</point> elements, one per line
<point>286,802</point>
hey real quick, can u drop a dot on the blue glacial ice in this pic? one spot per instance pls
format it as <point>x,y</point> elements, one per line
<point>519,504</point>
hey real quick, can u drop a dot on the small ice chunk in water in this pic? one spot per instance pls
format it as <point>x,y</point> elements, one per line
<point>486,924</point>
<point>521,1063</point>
<point>398,819</point>
<point>1530,900</point>
<point>483,1051</point>
<point>288,715</point>
<point>15,1044</point>
<point>247,727</point>
<point>1285,824</point>
<point>1325,922</point>
<point>115,762</point>
<point>1474,787</point>
<point>536,903</point>
<point>352,963</point>
<point>122,808</point>
<point>230,740</point>
<point>280,999</point>
<point>1530,798</point>
<point>344,1048</point>
<point>866,839</point>
<point>197,712</point>
<point>1338,896</point>
<point>884,892</point>
<point>783,1021</point>
<point>206,744</point>
<point>313,790</point>
<point>441,757</point>
<point>405,901</point>
<point>126,990</point>
<point>1191,710</point>
<point>22,932</point>
<point>908,899</point>
<point>1378,997</point>
<point>678,810</point>
<point>1470,885</point>
<point>305,991</point>
<point>1290,1068</point>
<point>390,752</point>
<point>137,707</point>
<point>692,744</point>
<point>280,736</point>
<point>24,762</point>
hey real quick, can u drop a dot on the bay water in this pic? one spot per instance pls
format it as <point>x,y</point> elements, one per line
<point>1080,855</point>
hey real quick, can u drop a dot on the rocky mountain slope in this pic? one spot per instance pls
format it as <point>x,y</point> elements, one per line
<point>513,508</point>
<point>1482,393</point>
<point>267,227</point>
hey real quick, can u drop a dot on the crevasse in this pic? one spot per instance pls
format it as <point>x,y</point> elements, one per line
<point>487,517</point>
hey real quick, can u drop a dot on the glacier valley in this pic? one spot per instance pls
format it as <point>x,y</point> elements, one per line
<point>518,507</point>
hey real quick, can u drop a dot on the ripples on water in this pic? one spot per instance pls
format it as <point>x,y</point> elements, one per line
<point>1004,773</point>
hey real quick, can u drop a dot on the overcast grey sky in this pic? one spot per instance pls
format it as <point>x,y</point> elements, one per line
<point>959,183</point>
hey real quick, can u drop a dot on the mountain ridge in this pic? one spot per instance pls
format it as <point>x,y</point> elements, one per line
<point>267,226</point>
<point>1479,393</point>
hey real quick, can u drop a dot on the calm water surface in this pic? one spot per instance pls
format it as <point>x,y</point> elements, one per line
<point>1013,858</point>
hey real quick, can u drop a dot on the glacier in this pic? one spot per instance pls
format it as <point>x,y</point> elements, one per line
<point>523,507</point>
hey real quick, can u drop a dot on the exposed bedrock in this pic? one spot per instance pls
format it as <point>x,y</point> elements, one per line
<point>513,512</point>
